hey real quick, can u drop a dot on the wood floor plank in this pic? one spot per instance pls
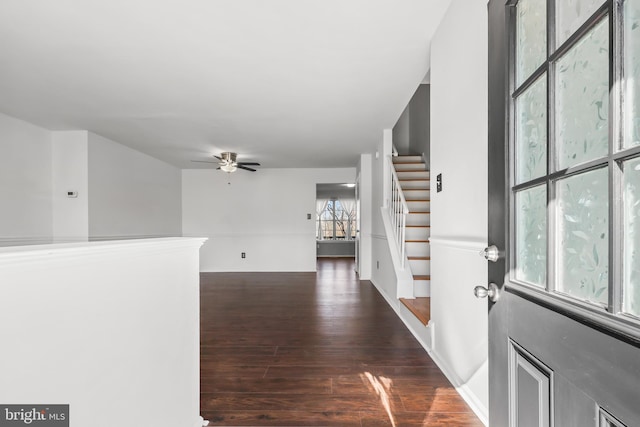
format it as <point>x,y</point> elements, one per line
<point>214,369</point>
<point>397,372</point>
<point>307,349</point>
<point>283,418</point>
<point>420,419</point>
<point>266,385</point>
<point>291,401</point>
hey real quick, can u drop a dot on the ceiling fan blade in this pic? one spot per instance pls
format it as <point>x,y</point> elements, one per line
<point>248,164</point>
<point>245,168</point>
<point>217,157</point>
<point>203,161</point>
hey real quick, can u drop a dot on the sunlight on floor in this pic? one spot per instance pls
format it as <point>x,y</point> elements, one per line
<point>382,387</point>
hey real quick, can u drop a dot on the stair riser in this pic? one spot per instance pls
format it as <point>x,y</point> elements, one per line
<point>417,195</point>
<point>421,288</point>
<point>412,174</point>
<point>418,206</point>
<point>417,249</point>
<point>414,233</point>
<point>410,167</point>
<point>407,159</point>
<point>420,267</point>
<point>419,219</point>
<point>422,185</point>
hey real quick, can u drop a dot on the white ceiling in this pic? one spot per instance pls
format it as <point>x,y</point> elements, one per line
<point>288,83</point>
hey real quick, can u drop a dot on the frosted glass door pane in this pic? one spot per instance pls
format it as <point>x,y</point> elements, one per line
<point>582,96</point>
<point>572,14</point>
<point>531,235</point>
<point>583,230</point>
<point>531,37</point>
<point>632,237</point>
<point>531,132</point>
<point>632,72</point>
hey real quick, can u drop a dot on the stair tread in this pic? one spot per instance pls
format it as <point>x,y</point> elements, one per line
<point>413,179</point>
<point>419,226</point>
<point>421,277</point>
<point>408,158</point>
<point>420,307</point>
<point>417,200</point>
<point>419,258</point>
<point>417,241</point>
<point>419,212</point>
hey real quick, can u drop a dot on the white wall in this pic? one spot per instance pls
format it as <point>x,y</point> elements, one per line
<point>402,132</point>
<point>131,194</point>
<point>459,212</point>
<point>263,214</point>
<point>70,173</point>
<point>365,216</point>
<point>383,274</point>
<point>110,328</point>
<point>25,183</point>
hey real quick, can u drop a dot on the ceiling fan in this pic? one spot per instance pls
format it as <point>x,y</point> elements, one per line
<point>228,163</point>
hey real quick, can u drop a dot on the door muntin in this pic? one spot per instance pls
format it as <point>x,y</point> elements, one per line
<point>575,175</point>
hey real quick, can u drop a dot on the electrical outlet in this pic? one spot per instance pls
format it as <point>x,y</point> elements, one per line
<point>439,183</point>
<point>244,255</point>
<point>377,265</point>
<point>308,216</point>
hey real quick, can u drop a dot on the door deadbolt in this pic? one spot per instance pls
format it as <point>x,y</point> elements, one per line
<point>491,253</point>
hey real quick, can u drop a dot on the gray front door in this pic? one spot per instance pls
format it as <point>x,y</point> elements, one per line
<point>564,211</point>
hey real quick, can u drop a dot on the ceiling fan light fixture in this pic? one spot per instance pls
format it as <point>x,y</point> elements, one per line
<point>229,167</point>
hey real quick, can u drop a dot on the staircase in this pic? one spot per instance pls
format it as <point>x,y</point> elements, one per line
<point>415,183</point>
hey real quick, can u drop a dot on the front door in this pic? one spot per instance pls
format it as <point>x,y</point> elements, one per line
<point>564,212</point>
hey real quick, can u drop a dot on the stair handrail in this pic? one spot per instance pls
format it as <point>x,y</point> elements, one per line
<point>398,210</point>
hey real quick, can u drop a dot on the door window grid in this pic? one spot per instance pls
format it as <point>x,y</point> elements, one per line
<point>608,420</point>
<point>622,143</point>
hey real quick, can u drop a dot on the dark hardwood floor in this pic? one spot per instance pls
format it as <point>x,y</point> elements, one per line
<point>307,349</point>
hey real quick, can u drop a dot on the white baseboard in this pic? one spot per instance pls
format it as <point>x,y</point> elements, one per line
<point>25,241</point>
<point>200,422</point>
<point>465,392</point>
<point>395,305</point>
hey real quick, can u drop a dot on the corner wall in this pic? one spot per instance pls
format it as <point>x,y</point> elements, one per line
<point>25,183</point>
<point>420,123</point>
<point>70,174</point>
<point>383,272</point>
<point>459,213</point>
<point>263,214</point>
<point>131,194</point>
<point>365,215</point>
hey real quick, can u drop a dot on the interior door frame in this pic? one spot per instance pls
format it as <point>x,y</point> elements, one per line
<point>497,215</point>
<point>357,239</point>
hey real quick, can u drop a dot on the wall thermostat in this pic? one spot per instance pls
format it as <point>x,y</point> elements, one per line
<point>72,194</point>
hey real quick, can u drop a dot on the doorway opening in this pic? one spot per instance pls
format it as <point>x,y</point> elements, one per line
<point>336,220</point>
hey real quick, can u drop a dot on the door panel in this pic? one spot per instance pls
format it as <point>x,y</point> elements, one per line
<point>561,350</point>
<point>600,366</point>
<point>530,389</point>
